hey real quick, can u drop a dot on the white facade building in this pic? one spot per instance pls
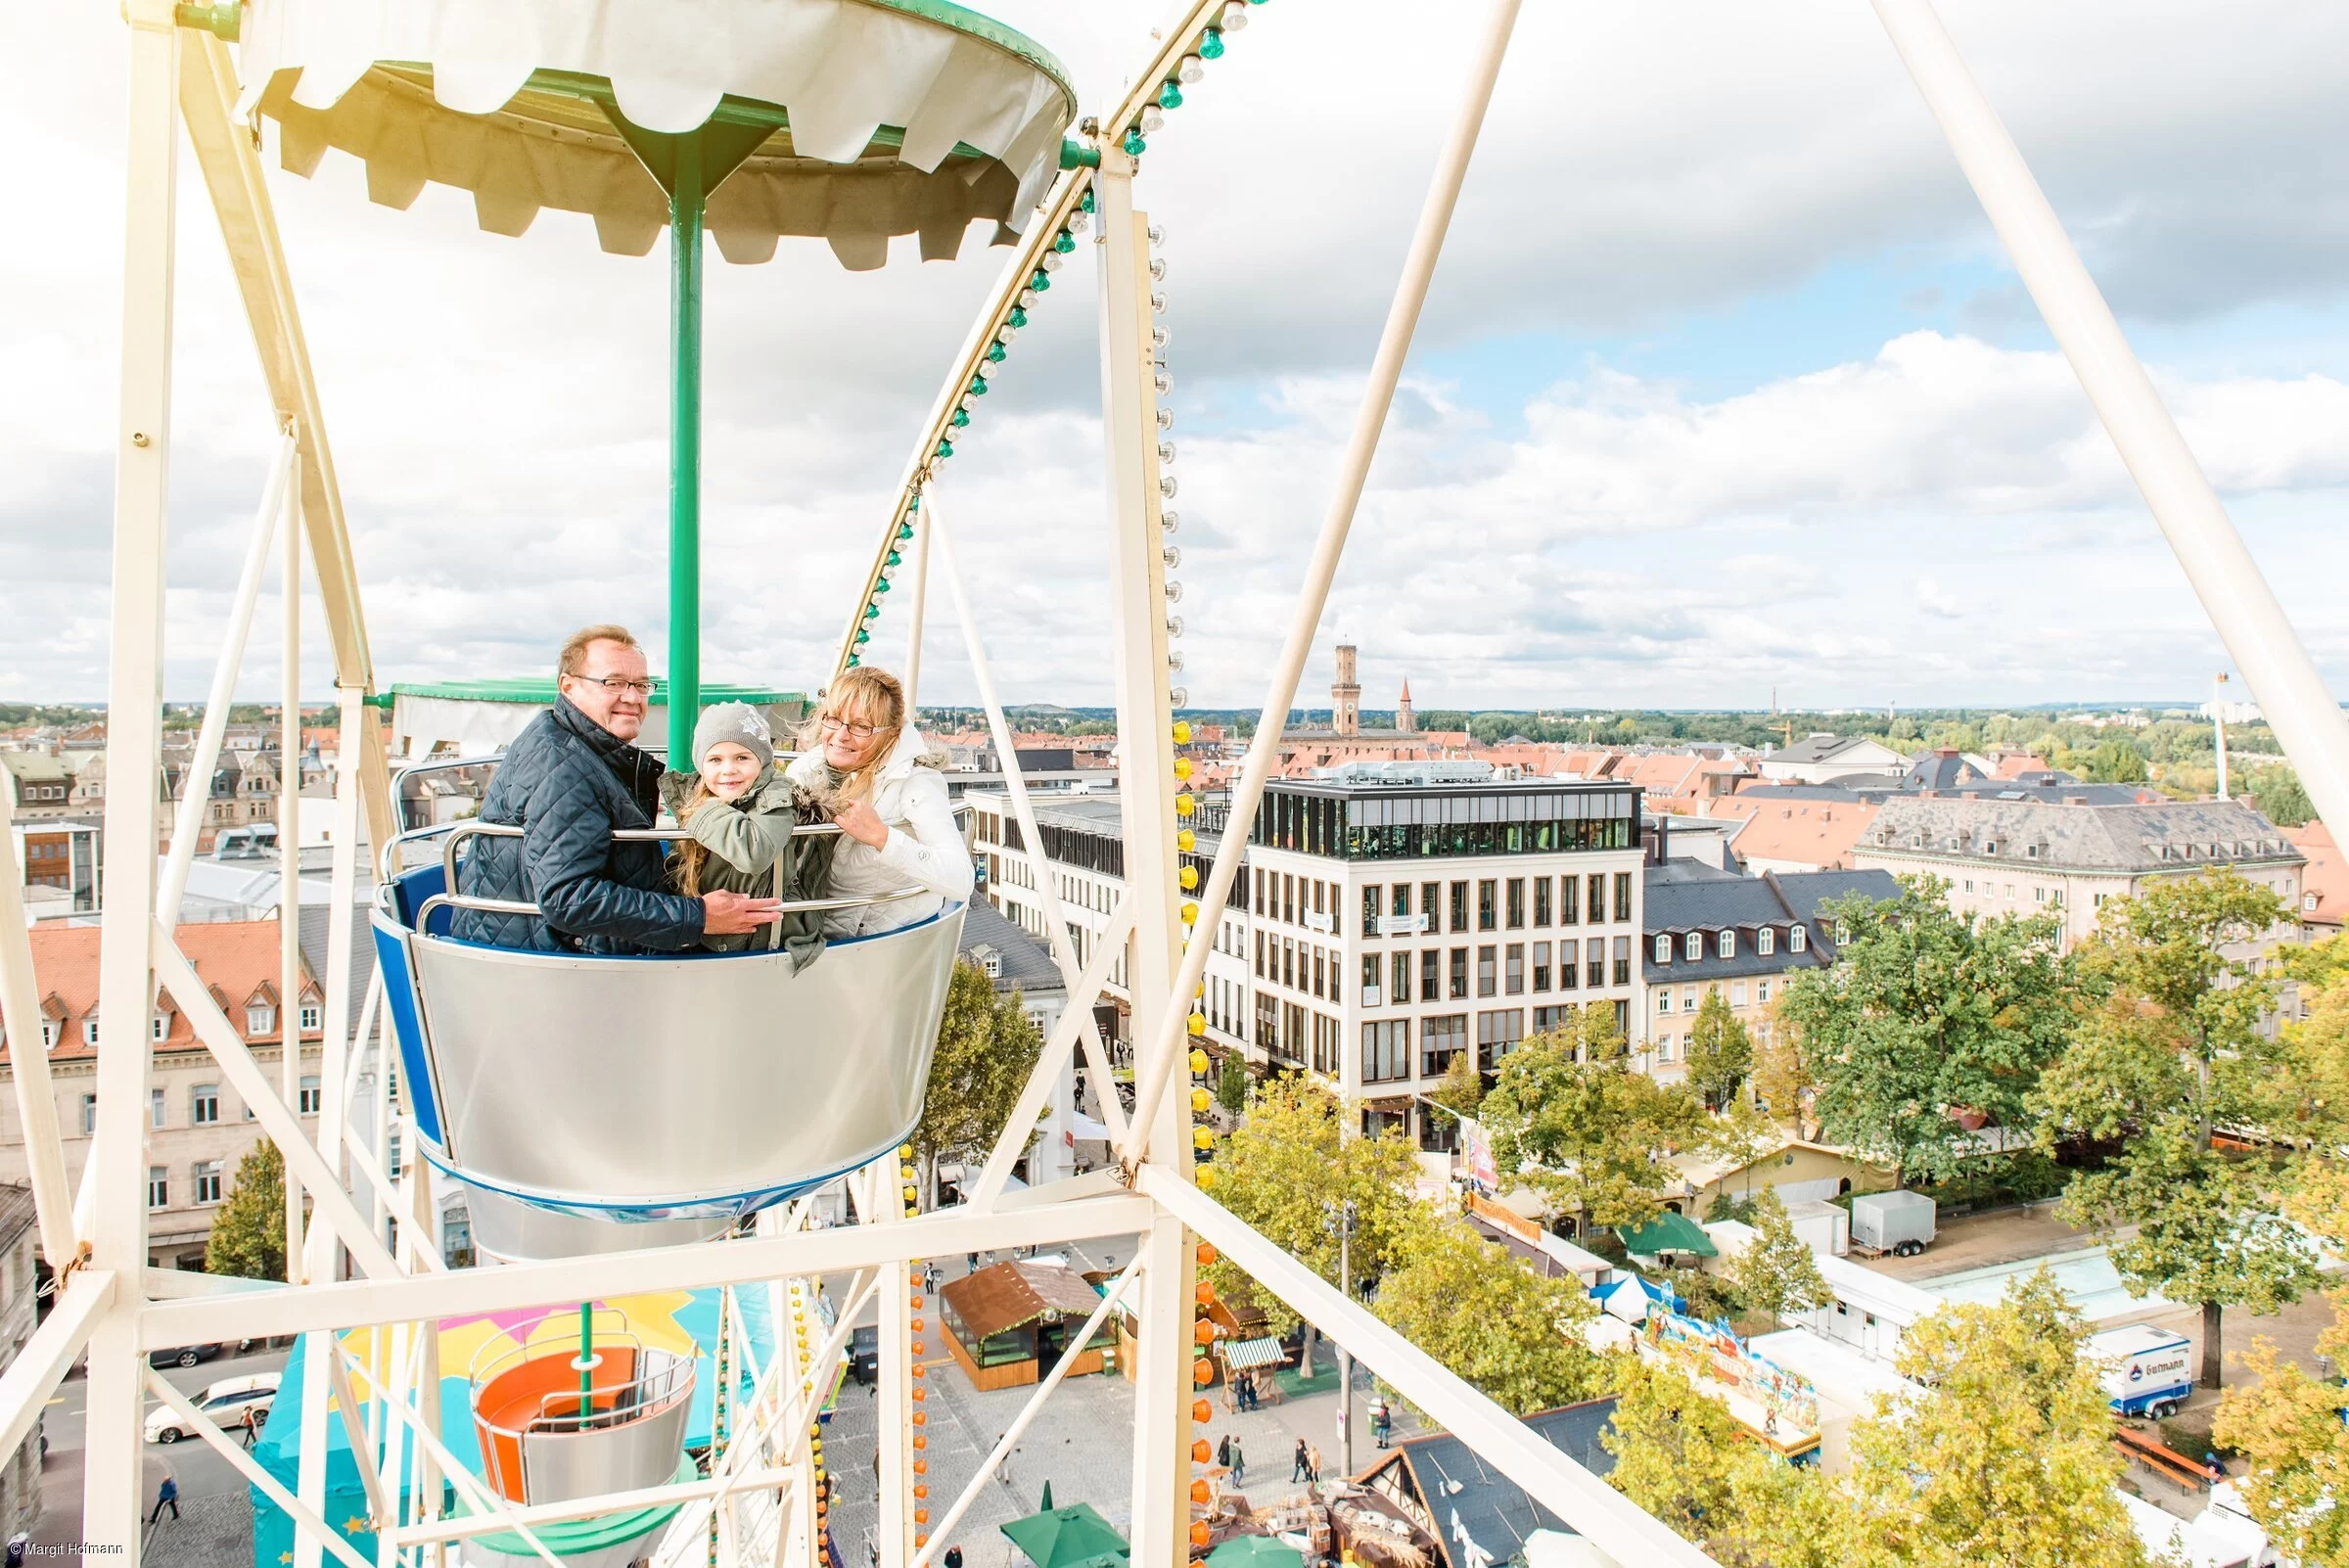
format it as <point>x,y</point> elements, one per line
<point>1390,917</point>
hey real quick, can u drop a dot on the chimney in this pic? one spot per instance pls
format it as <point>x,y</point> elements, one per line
<point>2075,799</point>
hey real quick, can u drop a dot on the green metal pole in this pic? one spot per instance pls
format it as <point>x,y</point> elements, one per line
<point>587,1360</point>
<point>685,452</point>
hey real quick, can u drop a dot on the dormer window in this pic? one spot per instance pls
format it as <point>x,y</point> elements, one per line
<point>1728,945</point>
<point>1766,940</point>
<point>89,1031</point>
<point>1694,946</point>
<point>312,1019</point>
<point>1664,944</point>
<point>1798,939</point>
<point>260,1020</point>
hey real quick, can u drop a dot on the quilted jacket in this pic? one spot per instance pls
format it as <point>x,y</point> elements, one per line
<point>567,782</point>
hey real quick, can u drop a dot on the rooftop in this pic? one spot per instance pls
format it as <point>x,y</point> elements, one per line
<point>2136,838</point>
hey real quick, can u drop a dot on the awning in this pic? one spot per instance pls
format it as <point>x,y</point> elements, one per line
<point>1668,1232</point>
<point>1247,1355</point>
<point>856,119</point>
<point>1082,1125</point>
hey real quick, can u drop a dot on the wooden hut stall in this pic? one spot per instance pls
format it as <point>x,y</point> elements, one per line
<point>1007,1321</point>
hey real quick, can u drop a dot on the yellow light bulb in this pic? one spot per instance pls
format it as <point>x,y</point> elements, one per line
<point>1185,840</point>
<point>1182,767</point>
<point>1182,732</point>
<point>1184,804</point>
<point>1202,1138</point>
<point>1188,877</point>
<point>1191,912</point>
<point>1201,1100</point>
<point>1198,1060</point>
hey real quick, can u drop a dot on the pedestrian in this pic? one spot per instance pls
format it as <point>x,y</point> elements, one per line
<point>1299,1470</point>
<point>166,1496</point>
<point>250,1423</point>
<point>1312,1462</point>
<point>929,1275</point>
<point>1223,1451</point>
<point>970,1263</point>
<point>1382,1423</point>
<point>1239,1463</point>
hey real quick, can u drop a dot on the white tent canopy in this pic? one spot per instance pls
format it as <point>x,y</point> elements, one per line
<point>895,117</point>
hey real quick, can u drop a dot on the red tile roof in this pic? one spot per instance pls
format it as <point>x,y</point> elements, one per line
<point>237,958</point>
<point>2322,877</point>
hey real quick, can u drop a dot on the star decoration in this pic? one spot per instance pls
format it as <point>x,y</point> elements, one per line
<point>355,1525</point>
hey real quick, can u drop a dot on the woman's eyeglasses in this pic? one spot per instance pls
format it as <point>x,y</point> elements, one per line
<point>831,724</point>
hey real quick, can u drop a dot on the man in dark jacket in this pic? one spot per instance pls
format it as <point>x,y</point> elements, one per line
<point>570,778</point>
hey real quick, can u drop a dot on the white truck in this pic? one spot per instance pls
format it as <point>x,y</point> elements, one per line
<point>2146,1370</point>
<point>1896,1222</point>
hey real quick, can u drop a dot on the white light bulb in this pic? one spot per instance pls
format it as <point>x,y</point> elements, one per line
<point>1235,17</point>
<point>1178,697</point>
<point>1156,233</point>
<point>969,403</point>
<point>1006,333</point>
<point>1153,117</point>
<point>1173,592</point>
<point>1165,451</point>
<point>1164,382</point>
<point>1165,419</point>
<point>1078,220</point>
<point>1174,626</point>
<point>1190,70</point>
<point>1027,301</point>
<point>1158,268</point>
<point>1166,485</point>
<point>1158,337</point>
<point>1171,556</point>
<point>1170,521</point>
<point>1175,659</point>
<point>1053,261</point>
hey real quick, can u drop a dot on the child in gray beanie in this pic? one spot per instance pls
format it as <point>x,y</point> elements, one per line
<point>738,813</point>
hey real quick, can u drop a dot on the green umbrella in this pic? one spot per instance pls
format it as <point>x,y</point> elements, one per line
<point>1046,1502</point>
<point>1073,1536</point>
<point>1256,1552</point>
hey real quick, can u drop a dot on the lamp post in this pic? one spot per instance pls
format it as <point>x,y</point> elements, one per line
<point>1342,1220</point>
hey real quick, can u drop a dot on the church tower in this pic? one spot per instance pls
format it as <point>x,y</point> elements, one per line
<point>1346,695</point>
<point>1406,722</point>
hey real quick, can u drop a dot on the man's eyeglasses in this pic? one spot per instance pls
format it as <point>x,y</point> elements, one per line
<point>617,686</point>
<point>830,725</point>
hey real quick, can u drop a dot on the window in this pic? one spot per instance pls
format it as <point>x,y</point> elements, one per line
<point>204,1105</point>
<point>1663,948</point>
<point>1696,946</point>
<point>1399,978</point>
<point>1663,998</point>
<point>1288,899</point>
<point>1400,902</point>
<point>1486,911</point>
<point>1766,940</point>
<point>1569,899</point>
<point>1512,970</point>
<point>159,1027</point>
<point>1516,903</point>
<point>1540,966</point>
<point>207,1182</point>
<point>1386,1050</point>
<point>1459,972</point>
<point>1459,906</point>
<point>1623,960</point>
<point>1595,972</point>
<point>1736,994</point>
<point>1843,932</point>
<point>1328,990</point>
<point>1431,974</point>
<point>308,1103</point>
<point>89,1031</point>
<point>260,1020</point>
<point>1370,996</point>
<point>1288,962</point>
<point>1663,1047</point>
<point>1439,1039</point>
<point>1728,943</point>
<point>52,1030</point>
<point>1497,1034</point>
<point>1687,998</point>
<point>1541,900</point>
<point>1595,899</point>
<point>1798,939</point>
<point>1260,956</point>
<point>155,1108</point>
<point>1484,978</point>
<point>89,1115</point>
<point>1623,895</point>
<point>158,1187</point>
<point>392,1160</point>
<point>1547,1019</point>
<point>1761,991</point>
<point>1570,958</point>
<point>310,1017</point>
<point>1370,909</point>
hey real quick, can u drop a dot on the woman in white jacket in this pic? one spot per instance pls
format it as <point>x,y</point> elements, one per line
<point>896,830</point>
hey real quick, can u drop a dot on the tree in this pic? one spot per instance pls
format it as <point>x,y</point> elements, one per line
<point>2173,1051</point>
<point>1569,1115</point>
<point>1677,1451</point>
<point>248,1229</point>
<point>1292,1154</point>
<point>1777,1273</point>
<point>2115,761</point>
<point>2287,1424</point>
<point>1780,1085</point>
<point>2281,797</point>
<point>1511,1333</point>
<point>1463,1088</point>
<point>987,1046</point>
<point>1929,1012</point>
<point>1231,1084</point>
<point>1721,1053</point>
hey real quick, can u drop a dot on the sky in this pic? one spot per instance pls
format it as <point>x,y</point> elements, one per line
<point>1725,390</point>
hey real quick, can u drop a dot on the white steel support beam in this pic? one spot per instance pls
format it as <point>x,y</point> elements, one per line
<point>289,881</point>
<point>1613,1522</point>
<point>1146,790</point>
<point>117,1232</point>
<point>1022,808</point>
<point>881,1206</point>
<point>307,1525</point>
<point>2283,677</point>
<point>195,799</point>
<point>42,1362</point>
<point>22,1024</point>
<point>1386,372</point>
<point>469,1292</point>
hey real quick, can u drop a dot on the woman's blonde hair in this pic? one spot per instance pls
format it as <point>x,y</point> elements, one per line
<point>692,853</point>
<point>863,696</point>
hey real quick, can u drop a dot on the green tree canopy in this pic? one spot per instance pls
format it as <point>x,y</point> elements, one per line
<point>1721,1053</point>
<point>2113,761</point>
<point>1231,1083</point>
<point>1583,1127</point>
<point>987,1046</point>
<point>1462,1089</point>
<point>1929,1012</point>
<point>1777,1273</point>
<point>248,1229</point>
<point>1488,1317</point>
<point>2172,1052</point>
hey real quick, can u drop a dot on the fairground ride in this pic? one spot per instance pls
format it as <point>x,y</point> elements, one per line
<point>854,121</point>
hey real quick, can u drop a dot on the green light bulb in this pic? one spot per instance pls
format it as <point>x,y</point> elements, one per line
<point>1017,318</point>
<point>872,611</point>
<point>1170,95</point>
<point>854,661</point>
<point>1134,144</point>
<point>978,385</point>
<point>862,636</point>
<point>892,559</point>
<point>1211,47</point>
<point>1064,242</point>
<point>1042,282</point>
<point>960,420</point>
<point>881,586</point>
<point>904,531</point>
<point>945,449</point>
<point>1085,202</point>
<point>995,353</point>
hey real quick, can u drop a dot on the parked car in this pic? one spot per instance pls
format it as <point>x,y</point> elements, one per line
<point>865,1354</point>
<point>184,1354</point>
<point>225,1404</point>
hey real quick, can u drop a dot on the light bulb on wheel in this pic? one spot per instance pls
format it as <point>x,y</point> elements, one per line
<point>1165,419</point>
<point>1165,451</point>
<point>1170,521</point>
<point>1190,70</point>
<point>1171,556</point>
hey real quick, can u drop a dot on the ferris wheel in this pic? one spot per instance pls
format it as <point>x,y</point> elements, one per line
<point>603,1155</point>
